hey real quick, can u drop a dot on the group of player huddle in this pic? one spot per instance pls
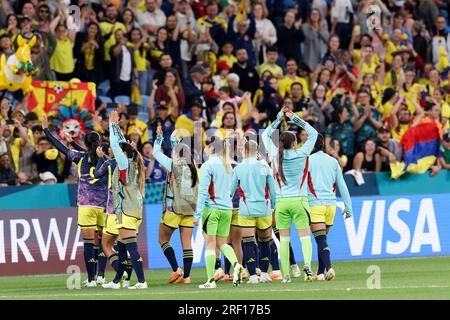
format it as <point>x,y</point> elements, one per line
<point>239,205</point>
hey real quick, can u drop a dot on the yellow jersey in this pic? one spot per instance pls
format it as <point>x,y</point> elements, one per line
<point>62,58</point>
<point>284,85</point>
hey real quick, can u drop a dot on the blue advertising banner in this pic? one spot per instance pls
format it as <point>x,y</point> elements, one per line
<point>382,227</point>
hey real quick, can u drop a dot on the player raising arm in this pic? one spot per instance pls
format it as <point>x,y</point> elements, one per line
<point>292,203</point>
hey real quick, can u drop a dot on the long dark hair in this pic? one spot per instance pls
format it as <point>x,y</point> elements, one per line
<point>235,120</point>
<point>286,140</point>
<point>184,151</point>
<point>133,154</point>
<point>97,36</point>
<point>92,140</point>
<point>319,145</point>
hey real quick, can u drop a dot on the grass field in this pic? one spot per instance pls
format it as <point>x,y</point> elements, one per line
<point>407,278</point>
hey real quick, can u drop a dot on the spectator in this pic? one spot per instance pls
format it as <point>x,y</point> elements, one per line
<point>193,87</point>
<point>334,150</point>
<point>8,176</point>
<point>265,35</point>
<point>136,124</point>
<point>368,160</point>
<point>291,77</point>
<point>342,21</point>
<point>89,52</point>
<point>215,25</point>
<point>45,157</point>
<point>388,148</point>
<point>316,39</point>
<point>164,63</point>
<point>153,17</point>
<point>243,36</point>
<point>123,66</point>
<point>369,120</point>
<point>271,63</point>
<point>249,79</point>
<point>290,35</point>
<point>154,172</point>
<point>444,160</point>
<point>62,60</point>
<point>171,92</point>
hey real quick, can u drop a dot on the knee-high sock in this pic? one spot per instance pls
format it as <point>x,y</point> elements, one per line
<point>89,258</point>
<point>218,263</point>
<point>170,255</point>
<point>210,260</point>
<point>188,256</point>
<point>227,262</point>
<point>132,248</point>
<point>284,252</point>
<point>129,268</point>
<point>323,251</point>
<point>291,252</point>
<point>122,255</point>
<point>114,261</point>
<point>274,256</point>
<point>256,253</point>
<point>249,254</point>
<point>228,252</point>
<point>96,258</point>
<point>264,257</point>
<point>307,250</point>
<point>101,260</point>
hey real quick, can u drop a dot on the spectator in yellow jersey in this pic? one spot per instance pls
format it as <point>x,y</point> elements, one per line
<point>291,77</point>
<point>270,64</point>
<point>62,61</point>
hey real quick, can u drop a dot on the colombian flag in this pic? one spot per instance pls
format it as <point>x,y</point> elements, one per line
<point>421,149</point>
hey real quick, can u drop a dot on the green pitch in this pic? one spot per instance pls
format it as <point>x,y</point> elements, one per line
<point>407,278</point>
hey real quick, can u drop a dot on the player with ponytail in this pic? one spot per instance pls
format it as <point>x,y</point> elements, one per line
<point>291,188</point>
<point>214,209</point>
<point>128,191</point>
<point>92,196</point>
<point>179,200</point>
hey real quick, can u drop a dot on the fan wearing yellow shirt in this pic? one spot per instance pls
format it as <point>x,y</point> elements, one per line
<point>135,124</point>
<point>395,76</point>
<point>227,54</point>
<point>369,61</point>
<point>140,51</point>
<point>291,77</point>
<point>270,64</point>
<point>401,119</point>
<point>445,108</point>
<point>411,90</point>
<point>62,62</point>
<point>393,45</point>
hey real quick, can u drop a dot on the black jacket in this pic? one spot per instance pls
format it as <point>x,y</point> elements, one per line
<point>8,176</point>
<point>116,63</point>
<point>248,77</point>
<point>80,67</point>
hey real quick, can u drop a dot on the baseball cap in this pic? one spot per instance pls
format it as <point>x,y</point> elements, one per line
<point>446,137</point>
<point>198,68</point>
<point>47,175</point>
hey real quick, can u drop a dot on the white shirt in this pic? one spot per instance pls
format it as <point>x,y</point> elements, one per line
<point>342,10</point>
<point>155,18</point>
<point>125,71</point>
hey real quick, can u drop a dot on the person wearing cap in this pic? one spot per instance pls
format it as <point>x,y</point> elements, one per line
<point>136,125</point>
<point>388,148</point>
<point>193,86</point>
<point>162,117</point>
<point>48,178</point>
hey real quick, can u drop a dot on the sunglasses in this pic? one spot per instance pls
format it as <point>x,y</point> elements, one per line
<point>44,11</point>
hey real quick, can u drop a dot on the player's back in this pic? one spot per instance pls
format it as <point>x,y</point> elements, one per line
<point>322,176</point>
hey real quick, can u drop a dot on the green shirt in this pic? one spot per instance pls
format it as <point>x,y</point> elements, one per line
<point>445,154</point>
<point>367,129</point>
<point>344,133</point>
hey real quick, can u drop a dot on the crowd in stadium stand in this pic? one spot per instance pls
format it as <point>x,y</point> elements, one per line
<point>230,64</point>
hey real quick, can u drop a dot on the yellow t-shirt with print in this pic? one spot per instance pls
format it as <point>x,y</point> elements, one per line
<point>388,78</point>
<point>106,29</point>
<point>274,69</point>
<point>62,58</point>
<point>284,85</point>
<point>205,20</point>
